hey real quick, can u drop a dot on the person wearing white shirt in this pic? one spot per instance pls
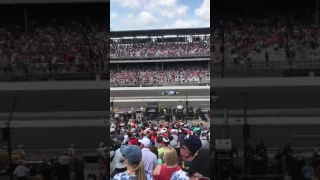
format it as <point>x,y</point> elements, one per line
<point>21,171</point>
<point>149,158</point>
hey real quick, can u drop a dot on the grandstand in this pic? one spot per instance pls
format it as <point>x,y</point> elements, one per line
<point>54,86</point>
<point>163,57</point>
<point>281,40</point>
<point>51,42</point>
<point>265,73</point>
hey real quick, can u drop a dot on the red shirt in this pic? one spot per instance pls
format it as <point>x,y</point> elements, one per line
<point>166,173</point>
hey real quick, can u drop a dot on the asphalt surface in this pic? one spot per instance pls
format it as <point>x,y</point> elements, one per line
<point>274,136</point>
<point>57,100</point>
<point>200,92</point>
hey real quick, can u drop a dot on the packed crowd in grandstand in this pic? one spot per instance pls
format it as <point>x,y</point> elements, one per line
<point>55,44</point>
<point>264,38</point>
<point>144,73</point>
<point>144,149</point>
<point>153,49</point>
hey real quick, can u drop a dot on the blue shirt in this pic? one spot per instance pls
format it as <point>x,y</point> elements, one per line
<point>307,171</point>
<point>127,176</point>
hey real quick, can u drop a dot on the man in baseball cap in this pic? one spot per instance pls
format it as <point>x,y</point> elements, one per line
<point>199,168</point>
<point>149,158</point>
<point>188,148</point>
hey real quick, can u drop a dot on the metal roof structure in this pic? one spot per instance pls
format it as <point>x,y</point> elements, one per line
<point>160,32</point>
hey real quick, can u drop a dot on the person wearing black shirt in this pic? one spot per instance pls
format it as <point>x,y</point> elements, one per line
<point>260,147</point>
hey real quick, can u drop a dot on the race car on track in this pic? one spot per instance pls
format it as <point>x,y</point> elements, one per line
<point>171,92</point>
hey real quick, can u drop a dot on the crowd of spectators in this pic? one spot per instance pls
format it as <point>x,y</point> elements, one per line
<point>144,149</point>
<point>284,162</point>
<point>187,72</point>
<point>153,49</point>
<point>274,34</point>
<point>66,165</point>
<point>55,46</point>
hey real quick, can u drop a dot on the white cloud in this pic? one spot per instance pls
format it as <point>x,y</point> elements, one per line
<point>113,15</point>
<point>204,11</point>
<point>186,24</point>
<point>155,14</point>
<point>133,4</point>
<point>182,24</point>
<point>144,19</point>
<point>166,8</point>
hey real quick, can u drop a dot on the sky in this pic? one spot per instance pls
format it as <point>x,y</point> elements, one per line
<point>158,14</point>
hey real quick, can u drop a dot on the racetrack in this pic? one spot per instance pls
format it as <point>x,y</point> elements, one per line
<point>148,94</point>
<point>128,93</point>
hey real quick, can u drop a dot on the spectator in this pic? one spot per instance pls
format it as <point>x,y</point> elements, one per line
<point>135,169</point>
<point>188,148</point>
<point>149,159</point>
<point>170,165</point>
<point>205,144</point>
<point>307,171</point>
<point>21,171</point>
<point>200,167</point>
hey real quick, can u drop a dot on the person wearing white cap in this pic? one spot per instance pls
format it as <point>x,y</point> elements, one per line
<point>174,133</point>
<point>149,158</point>
<point>205,144</point>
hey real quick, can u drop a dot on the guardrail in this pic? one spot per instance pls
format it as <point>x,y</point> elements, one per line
<point>112,58</point>
<point>160,88</point>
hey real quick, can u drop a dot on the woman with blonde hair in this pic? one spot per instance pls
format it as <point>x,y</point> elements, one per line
<point>169,166</point>
<point>132,156</point>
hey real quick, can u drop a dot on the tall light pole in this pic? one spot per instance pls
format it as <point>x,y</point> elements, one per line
<point>7,133</point>
<point>186,106</point>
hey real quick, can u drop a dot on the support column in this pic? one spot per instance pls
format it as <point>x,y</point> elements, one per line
<point>162,66</point>
<point>317,6</point>
<point>25,17</point>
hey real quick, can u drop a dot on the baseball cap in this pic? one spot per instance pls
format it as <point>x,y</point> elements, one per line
<point>145,141</point>
<point>192,142</point>
<point>131,152</point>
<point>201,163</point>
<point>119,161</point>
<point>174,144</point>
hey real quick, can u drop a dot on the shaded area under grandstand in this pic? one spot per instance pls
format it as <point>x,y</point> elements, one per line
<point>298,97</point>
<point>304,136</point>
<point>59,138</point>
